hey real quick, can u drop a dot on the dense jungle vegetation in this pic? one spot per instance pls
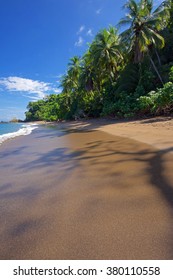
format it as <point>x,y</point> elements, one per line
<point>124,75</point>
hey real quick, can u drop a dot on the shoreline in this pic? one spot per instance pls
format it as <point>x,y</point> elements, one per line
<point>157,131</point>
<point>80,193</point>
<point>25,129</point>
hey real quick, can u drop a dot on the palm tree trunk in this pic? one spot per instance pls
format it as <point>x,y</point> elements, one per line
<point>155,68</point>
<point>140,73</point>
<point>158,57</point>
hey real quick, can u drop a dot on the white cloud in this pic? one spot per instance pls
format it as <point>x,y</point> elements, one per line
<point>80,42</point>
<point>57,90</point>
<point>25,85</point>
<point>89,32</point>
<point>33,98</point>
<point>98,11</point>
<point>81,29</point>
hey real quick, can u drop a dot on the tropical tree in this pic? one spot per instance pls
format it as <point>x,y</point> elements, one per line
<point>74,68</point>
<point>105,53</point>
<point>144,26</point>
<point>88,76</point>
<point>69,81</point>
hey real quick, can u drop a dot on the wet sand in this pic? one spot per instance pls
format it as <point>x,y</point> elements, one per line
<point>85,194</point>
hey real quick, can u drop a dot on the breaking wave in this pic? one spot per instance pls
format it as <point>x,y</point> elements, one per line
<point>26,129</point>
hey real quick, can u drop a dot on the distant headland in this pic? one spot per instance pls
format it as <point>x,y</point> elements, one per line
<point>14,120</point>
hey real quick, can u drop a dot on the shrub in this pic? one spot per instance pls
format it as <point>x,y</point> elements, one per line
<point>158,102</point>
<point>124,106</point>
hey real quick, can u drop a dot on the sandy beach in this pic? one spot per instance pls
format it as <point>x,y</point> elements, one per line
<point>157,132</point>
<point>88,190</point>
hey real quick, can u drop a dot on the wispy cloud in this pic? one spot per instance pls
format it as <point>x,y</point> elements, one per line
<point>32,97</point>
<point>59,76</point>
<point>81,29</point>
<point>98,11</point>
<point>18,84</point>
<point>79,42</point>
<point>89,32</point>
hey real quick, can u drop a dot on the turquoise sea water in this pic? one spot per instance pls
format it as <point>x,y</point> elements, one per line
<point>9,127</point>
<point>11,130</point>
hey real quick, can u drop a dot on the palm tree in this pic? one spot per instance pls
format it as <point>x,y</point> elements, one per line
<point>69,81</point>
<point>86,78</point>
<point>74,68</point>
<point>105,52</point>
<point>144,26</point>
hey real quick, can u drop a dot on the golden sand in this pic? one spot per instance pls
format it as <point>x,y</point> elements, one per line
<point>78,192</point>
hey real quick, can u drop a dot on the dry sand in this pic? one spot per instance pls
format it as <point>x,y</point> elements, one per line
<point>157,132</point>
<point>78,192</point>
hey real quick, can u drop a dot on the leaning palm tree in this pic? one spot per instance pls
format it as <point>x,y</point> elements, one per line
<point>144,26</point>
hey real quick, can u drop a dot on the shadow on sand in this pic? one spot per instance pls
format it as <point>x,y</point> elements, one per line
<point>100,154</point>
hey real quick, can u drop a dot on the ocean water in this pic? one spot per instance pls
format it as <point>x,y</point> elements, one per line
<point>11,130</point>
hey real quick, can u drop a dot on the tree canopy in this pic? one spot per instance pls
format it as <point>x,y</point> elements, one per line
<point>123,74</point>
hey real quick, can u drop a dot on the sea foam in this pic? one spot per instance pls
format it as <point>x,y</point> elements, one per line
<point>25,130</point>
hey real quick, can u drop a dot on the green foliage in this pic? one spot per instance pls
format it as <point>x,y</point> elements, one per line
<point>144,26</point>
<point>116,73</point>
<point>158,102</point>
<point>128,79</point>
<point>125,106</point>
<point>92,104</point>
<point>154,103</point>
<point>171,74</point>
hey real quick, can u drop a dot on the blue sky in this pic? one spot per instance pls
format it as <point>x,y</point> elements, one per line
<point>38,37</point>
